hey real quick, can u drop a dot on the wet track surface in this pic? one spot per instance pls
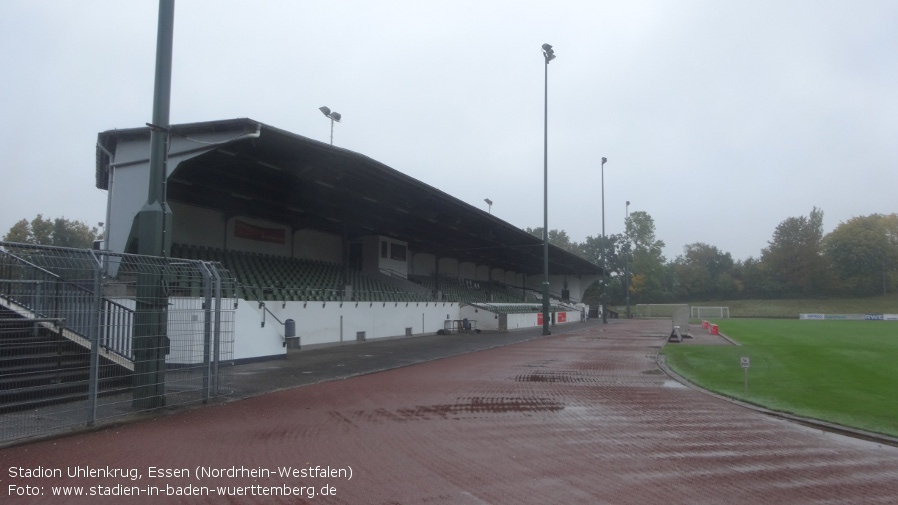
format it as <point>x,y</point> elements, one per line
<point>582,417</point>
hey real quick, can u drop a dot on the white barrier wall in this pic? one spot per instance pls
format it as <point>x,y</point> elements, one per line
<point>320,323</point>
<point>328,323</point>
<point>489,321</point>
<point>486,321</point>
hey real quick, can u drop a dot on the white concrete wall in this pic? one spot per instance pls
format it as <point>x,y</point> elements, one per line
<point>578,284</point>
<point>129,178</point>
<point>186,324</point>
<point>127,195</point>
<point>251,340</point>
<point>489,321</point>
<point>328,323</point>
<point>486,320</point>
<point>320,323</point>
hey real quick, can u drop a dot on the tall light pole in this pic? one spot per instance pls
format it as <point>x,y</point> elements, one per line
<point>490,204</point>
<point>604,273</point>
<point>627,263</point>
<point>548,55</point>
<point>154,226</point>
<point>334,116</point>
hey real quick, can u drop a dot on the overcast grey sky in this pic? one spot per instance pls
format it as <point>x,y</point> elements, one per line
<point>718,118</point>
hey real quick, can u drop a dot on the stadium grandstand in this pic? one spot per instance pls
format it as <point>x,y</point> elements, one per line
<point>345,247</point>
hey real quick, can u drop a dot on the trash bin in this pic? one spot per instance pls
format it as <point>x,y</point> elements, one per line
<point>291,341</point>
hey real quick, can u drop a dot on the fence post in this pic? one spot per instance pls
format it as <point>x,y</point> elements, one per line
<point>93,382</point>
<point>207,325</point>
<point>216,335</point>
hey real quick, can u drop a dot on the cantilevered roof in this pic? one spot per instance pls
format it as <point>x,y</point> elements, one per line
<point>286,178</point>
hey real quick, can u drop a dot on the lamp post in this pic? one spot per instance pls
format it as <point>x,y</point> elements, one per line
<point>604,273</point>
<point>334,116</point>
<point>627,261</point>
<point>490,204</point>
<point>548,55</point>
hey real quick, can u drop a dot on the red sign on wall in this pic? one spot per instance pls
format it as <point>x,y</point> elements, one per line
<point>246,230</point>
<point>539,318</point>
<point>561,317</point>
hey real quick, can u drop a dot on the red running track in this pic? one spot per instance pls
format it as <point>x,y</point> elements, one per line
<point>583,417</point>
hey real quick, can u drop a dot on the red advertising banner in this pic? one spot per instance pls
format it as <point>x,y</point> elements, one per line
<point>539,318</point>
<point>561,317</point>
<point>242,229</point>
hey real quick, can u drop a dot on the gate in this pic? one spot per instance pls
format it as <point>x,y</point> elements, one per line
<point>90,336</point>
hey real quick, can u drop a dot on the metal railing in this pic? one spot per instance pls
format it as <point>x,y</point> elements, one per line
<point>88,336</point>
<point>47,295</point>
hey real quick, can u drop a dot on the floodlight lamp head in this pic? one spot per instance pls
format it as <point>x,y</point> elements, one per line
<point>335,116</point>
<point>548,53</point>
<point>325,110</point>
<point>604,160</point>
<point>488,201</point>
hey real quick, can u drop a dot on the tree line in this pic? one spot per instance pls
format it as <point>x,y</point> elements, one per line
<point>858,258</point>
<point>60,232</point>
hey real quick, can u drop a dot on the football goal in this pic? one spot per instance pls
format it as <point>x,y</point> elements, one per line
<point>710,312</point>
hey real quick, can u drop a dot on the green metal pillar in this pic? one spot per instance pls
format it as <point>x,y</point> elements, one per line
<point>153,223</point>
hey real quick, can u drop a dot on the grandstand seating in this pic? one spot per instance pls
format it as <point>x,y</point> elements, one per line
<point>471,291</point>
<point>268,278</point>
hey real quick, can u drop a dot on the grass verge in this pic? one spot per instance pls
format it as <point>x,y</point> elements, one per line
<point>837,371</point>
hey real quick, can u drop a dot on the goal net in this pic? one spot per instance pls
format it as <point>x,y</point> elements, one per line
<point>710,312</point>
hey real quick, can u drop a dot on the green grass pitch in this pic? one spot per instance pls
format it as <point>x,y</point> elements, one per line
<point>845,372</point>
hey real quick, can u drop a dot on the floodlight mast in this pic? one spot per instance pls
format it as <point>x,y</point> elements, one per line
<point>150,341</point>
<point>627,267</point>
<point>490,204</point>
<point>604,273</point>
<point>548,55</point>
<point>333,116</point>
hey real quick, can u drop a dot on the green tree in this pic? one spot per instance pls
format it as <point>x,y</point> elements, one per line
<point>647,264</point>
<point>794,257</point>
<point>19,232</point>
<point>557,238</point>
<point>863,254</point>
<point>614,266</point>
<point>705,272</point>
<point>58,232</point>
<point>614,252</point>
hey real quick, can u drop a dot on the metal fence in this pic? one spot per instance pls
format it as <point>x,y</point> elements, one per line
<point>89,336</point>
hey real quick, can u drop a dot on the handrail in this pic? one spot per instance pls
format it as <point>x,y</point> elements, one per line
<point>49,295</point>
<point>266,309</point>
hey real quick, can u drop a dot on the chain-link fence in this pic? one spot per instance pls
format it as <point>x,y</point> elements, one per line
<point>89,336</point>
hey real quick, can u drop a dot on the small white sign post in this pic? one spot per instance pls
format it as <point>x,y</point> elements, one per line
<point>745,361</point>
